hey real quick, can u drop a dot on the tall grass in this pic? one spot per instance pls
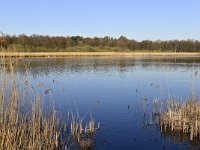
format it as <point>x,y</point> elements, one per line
<point>176,117</point>
<point>182,117</point>
<point>24,128</point>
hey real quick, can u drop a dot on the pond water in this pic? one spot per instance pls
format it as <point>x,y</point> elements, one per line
<point>113,90</point>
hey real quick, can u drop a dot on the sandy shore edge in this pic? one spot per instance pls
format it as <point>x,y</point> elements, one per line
<point>111,54</point>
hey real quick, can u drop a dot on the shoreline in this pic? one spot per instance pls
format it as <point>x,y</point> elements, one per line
<point>96,54</point>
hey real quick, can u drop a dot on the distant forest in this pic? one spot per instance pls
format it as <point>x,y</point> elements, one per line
<point>40,43</point>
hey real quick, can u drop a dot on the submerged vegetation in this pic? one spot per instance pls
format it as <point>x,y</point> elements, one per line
<point>40,43</point>
<point>25,124</point>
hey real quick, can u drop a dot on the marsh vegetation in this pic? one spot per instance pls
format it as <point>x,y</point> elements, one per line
<point>25,123</point>
<point>182,117</point>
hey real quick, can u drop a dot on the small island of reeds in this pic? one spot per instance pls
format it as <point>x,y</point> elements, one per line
<point>182,117</point>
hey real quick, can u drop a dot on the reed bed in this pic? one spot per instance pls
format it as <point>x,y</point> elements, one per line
<point>182,117</point>
<point>107,54</point>
<point>24,128</point>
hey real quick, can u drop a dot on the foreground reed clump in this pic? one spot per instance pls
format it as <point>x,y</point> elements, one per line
<point>21,127</point>
<point>29,126</point>
<point>182,117</point>
<point>83,132</point>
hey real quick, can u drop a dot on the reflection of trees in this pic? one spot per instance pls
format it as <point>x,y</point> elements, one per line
<point>58,66</point>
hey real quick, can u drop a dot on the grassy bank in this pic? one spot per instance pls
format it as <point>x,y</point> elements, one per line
<point>85,48</point>
<point>108,54</point>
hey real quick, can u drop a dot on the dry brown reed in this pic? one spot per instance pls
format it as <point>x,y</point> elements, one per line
<point>107,54</point>
<point>30,128</point>
<point>182,117</point>
<point>24,130</point>
<point>84,133</point>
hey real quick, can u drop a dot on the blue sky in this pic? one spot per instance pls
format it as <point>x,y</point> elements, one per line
<point>135,19</point>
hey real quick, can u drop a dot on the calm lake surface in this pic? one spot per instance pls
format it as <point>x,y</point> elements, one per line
<point>112,91</point>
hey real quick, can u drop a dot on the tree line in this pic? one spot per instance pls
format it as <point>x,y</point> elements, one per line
<point>60,43</point>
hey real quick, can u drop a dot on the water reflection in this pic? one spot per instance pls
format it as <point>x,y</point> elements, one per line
<point>46,66</point>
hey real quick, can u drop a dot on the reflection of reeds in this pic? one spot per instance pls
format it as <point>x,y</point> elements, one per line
<point>22,128</point>
<point>182,117</point>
